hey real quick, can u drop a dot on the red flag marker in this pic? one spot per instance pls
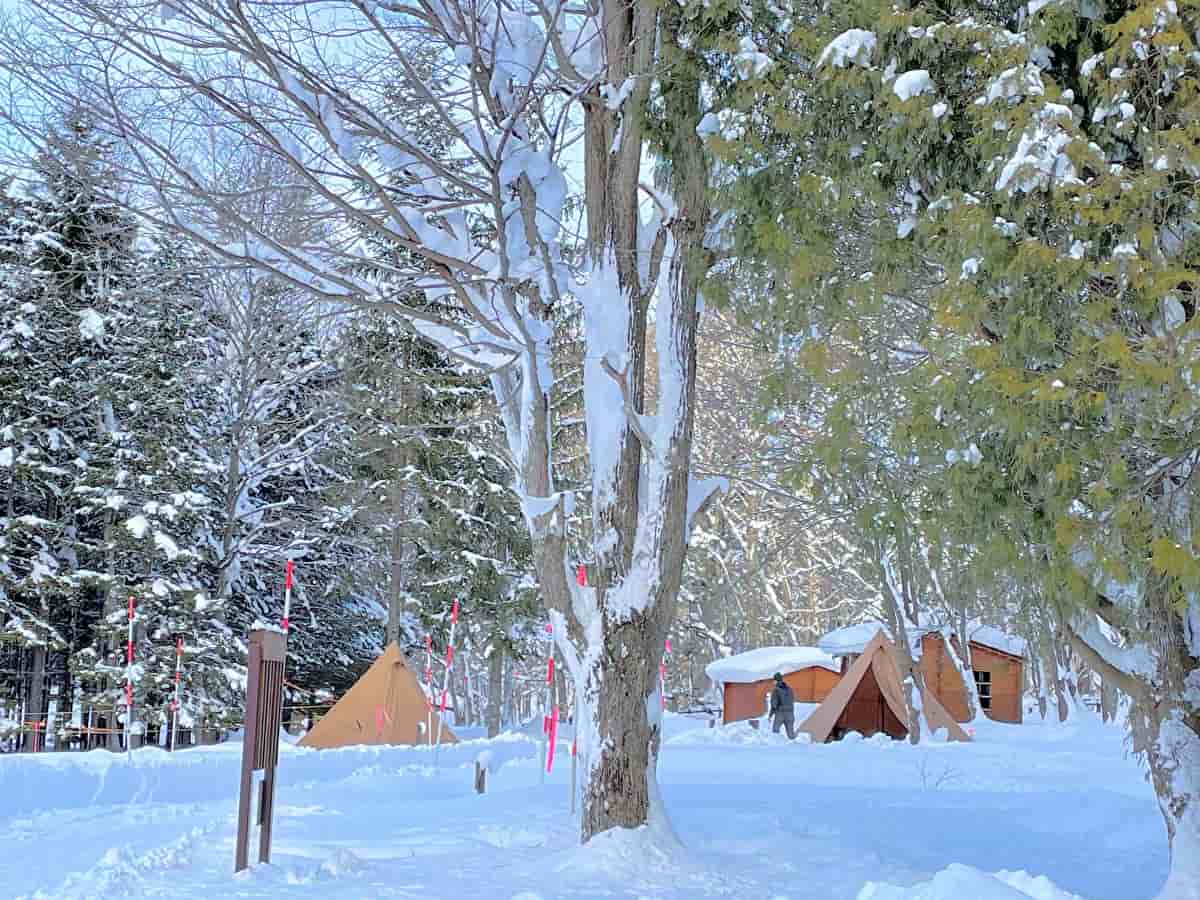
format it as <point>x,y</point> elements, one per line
<point>581,576</point>
<point>552,734</point>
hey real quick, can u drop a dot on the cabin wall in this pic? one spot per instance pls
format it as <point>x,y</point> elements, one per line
<point>749,700</point>
<point>944,679</point>
<point>1007,682</point>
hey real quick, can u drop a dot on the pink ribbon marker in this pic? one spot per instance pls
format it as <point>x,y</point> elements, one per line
<point>553,735</point>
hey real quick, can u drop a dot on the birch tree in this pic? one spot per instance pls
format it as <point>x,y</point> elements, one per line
<point>520,88</point>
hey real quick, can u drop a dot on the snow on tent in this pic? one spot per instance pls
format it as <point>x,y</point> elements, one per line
<point>385,706</point>
<point>870,699</point>
<point>746,678</point>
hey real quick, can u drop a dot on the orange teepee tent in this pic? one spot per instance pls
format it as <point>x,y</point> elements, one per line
<point>385,706</point>
<point>870,699</point>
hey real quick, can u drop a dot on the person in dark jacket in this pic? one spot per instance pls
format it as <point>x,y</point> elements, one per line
<point>782,712</point>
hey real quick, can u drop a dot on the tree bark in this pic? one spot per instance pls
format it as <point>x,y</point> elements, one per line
<point>912,679</point>
<point>1051,674</point>
<point>495,690</point>
<point>1108,700</point>
<point>37,685</point>
<point>645,566</point>
<point>619,793</point>
<point>1165,722</point>
<point>1166,728</point>
<point>468,692</point>
<point>508,710</point>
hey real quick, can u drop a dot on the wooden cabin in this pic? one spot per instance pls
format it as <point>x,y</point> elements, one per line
<point>997,661</point>
<point>746,679</point>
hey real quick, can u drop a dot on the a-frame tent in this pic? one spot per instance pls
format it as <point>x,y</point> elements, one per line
<point>385,706</point>
<point>870,699</point>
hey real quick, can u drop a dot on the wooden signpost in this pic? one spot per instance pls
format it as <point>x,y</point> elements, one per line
<point>260,746</point>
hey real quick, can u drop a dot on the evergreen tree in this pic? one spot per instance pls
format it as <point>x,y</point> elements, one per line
<point>1015,181</point>
<point>431,489</point>
<point>100,472</point>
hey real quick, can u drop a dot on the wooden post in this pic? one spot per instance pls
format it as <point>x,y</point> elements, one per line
<point>260,743</point>
<point>480,777</point>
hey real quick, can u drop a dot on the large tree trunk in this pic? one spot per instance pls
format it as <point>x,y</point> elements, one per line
<point>495,690</point>
<point>1108,700</point>
<point>1052,676</point>
<point>469,711</point>
<point>37,685</point>
<point>1170,738</point>
<point>912,679</point>
<point>1165,722</point>
<point>621,787</point>
<point>641,556</point>
<point>509,714</point>
<point>395,579</point>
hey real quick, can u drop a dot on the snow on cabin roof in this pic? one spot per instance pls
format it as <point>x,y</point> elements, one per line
<point>756,665</point>
<point>853,639</point>
<point>988,636</point>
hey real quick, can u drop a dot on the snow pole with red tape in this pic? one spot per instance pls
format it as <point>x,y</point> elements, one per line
<point>287,595</point>
<point>175,699</point>
<point>449,663</point>
<point>129,683</point>
<point>546,754</point>
<point>552,738</point>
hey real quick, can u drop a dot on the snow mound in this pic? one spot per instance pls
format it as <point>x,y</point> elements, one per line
<point>959,881</point>
<point>120,869</point>
<point>739,734</point>
<point>756,665</point>
<point>625,853</point>
<point>342,864</point>
<point>508,837</point>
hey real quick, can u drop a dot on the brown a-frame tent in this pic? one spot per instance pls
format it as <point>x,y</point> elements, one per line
<point>385,706</point>
<point>870,699</point>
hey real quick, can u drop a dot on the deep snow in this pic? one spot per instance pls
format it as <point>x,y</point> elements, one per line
<point>757,817</point>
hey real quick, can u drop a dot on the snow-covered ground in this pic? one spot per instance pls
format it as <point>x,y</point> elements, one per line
<point>755,815</point>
